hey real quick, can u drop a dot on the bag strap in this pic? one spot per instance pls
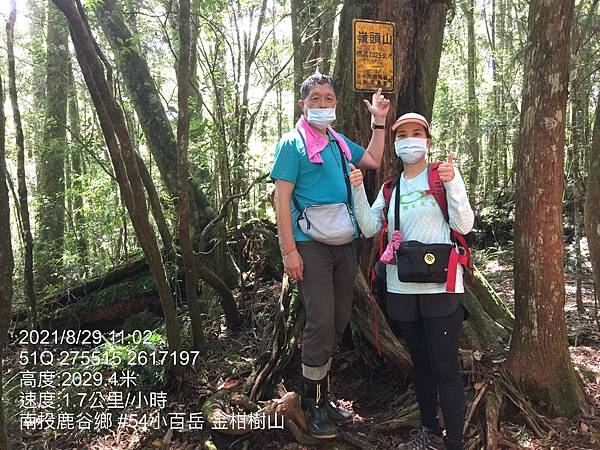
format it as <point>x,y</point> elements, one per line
<point>397,206</point>
<point>437,188</point>
<point>344,173</point>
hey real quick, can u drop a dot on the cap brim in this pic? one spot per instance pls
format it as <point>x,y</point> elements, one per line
<point>410,120</point>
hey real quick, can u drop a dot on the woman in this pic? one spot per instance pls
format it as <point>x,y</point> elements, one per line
<point>427,314</point>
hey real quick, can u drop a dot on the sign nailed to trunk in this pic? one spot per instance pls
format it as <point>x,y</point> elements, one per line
<point>373,55</point>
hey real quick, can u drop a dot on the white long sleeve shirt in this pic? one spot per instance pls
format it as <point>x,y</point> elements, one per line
<point>421,219</point>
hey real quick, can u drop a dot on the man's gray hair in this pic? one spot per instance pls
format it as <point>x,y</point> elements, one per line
<point>313,80</point>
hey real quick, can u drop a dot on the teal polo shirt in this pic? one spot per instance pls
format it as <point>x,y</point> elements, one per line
<point>314,183</point>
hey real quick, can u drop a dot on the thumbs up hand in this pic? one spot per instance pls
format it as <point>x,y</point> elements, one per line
<point>446,169</point>
<point>356,177</point>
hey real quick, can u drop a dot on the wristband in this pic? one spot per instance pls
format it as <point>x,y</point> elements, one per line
<point>375,126</point>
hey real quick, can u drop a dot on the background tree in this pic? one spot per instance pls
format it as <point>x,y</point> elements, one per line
<point>6,265</point>
<point>539,359</point>
<point>51,160</point>
<point>27,236</point>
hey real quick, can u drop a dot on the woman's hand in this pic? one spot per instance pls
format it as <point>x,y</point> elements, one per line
<point>356,176</point>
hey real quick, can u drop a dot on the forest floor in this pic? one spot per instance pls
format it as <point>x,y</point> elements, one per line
<point>372,391</point>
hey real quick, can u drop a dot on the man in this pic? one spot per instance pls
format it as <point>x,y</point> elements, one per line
<point>310,168</point>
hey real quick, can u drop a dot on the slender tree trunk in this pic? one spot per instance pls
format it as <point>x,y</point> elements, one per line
<point>6,265</point>
<point>539,359</point>
<point>124,162</point>
<point>577,145</point>
<point>592,200</point>
<point>23,202</point>
<point>472,108</point>
<point>76,174</point>
<point>183,129</point>
<point>50,167</point>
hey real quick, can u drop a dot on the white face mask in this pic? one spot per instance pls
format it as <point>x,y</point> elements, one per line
<point>410,150</point>
<point>321,117</point>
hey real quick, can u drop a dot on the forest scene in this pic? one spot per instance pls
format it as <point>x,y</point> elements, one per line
<point>160,283</point>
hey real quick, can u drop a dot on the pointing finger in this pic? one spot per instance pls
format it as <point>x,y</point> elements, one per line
<point>450,158</point>
<point>352,167</point>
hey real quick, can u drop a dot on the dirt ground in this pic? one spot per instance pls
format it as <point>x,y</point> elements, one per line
<point>373,390</point>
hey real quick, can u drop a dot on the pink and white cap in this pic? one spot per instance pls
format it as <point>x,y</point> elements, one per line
<point>411,118</point>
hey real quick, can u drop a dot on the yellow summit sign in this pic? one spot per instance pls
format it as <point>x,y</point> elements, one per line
<point>373,55</point>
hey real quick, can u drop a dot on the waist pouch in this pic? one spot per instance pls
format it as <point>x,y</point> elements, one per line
<point>423,263</point>
<point>330,224</point>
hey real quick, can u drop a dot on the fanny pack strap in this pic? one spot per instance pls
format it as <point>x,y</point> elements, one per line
<point>344,173</point>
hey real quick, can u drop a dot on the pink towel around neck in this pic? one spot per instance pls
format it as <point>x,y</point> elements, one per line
<point>316,142</point>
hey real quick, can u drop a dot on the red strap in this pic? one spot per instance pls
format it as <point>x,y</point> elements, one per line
<point>453,262</point>
<point>437,188</point>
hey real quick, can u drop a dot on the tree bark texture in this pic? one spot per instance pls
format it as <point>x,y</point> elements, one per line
<point>22,185</point>
<point>124,161</point>
<point>539,359</point>
<point>50,166</point>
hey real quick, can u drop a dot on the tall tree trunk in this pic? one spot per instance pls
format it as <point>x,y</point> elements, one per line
<point>23,202</point>
<point>124,161</point>
<point>577,146</point>
<point>155,124</point>
<point>472,109</point>
<point>539,359</point>
<point>592,200</point>
<point>6,265</point>
<point>50,166</point>
<point>183,129</point>
<point>76,174</point>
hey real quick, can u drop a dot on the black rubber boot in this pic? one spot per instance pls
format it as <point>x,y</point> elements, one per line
<point>314,399</point>
<point>422,439</point>
<point>334,412</point>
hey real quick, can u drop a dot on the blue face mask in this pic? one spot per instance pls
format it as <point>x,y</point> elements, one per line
<point>410,150</point>
<point>320,117</point>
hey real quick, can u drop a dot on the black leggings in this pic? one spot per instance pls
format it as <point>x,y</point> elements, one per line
<point>433,346</point>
